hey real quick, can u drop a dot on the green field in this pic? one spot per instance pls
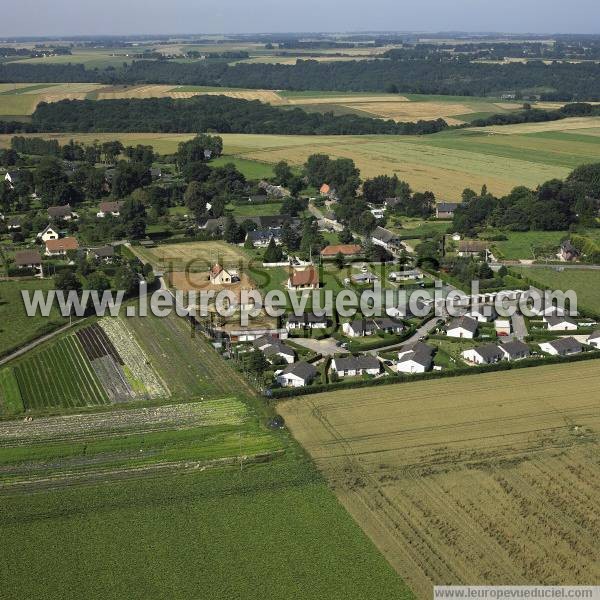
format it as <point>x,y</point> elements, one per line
<point>59,375</point>
<point>16,328</point>
<point>586,283</point>
<point>11,402</point>
<point>269,532</point>
<point>445,163</point>
<point>251,169</point>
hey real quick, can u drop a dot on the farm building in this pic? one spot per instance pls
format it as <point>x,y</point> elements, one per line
<point>417,358</point>
<point>355,366</point>
<point>61,247</point>
<point>483,355</point>
<point>344,249</point>
<point>306,321</point>
<point>299,374</point>
<point>462,327</point>
<point>562,347</point>
<point>562,323</point>
<point>304,279</point>
<point>109,208</point>
<point>445,210</point>
<point>594,340</point>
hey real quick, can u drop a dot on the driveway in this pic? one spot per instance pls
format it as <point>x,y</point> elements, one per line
<point>519,327</point>
<point>325,347</point>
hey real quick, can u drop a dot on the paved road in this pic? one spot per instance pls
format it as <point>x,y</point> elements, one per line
<point>566,266</point>
<point>35,343</point>
<point>326,347</point>
<point>519,327</point>
<point>419,333</point>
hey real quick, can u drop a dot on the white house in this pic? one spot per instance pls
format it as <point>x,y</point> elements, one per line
<point>272,347</point>
<point>366,327</point>
<point>417,358</point>
<point>462,327</point>
<point>386,239</point>
<point>483,355</point>
<point>503,327</point>
<point>560,323</point>
<point>482,313</point>
<point>410,275</point>
<point>61,247</point>
<point>299,374</point>
<point>220,276</point>
<point>48,234</point>
<point>562,347</point>
<point>515,350</point>
<point>306,321</point>
<point>594,340</point>
<point>354,366</point>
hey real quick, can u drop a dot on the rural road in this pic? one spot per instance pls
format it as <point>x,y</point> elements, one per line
<point>35,344</point>
<point>417,335</point>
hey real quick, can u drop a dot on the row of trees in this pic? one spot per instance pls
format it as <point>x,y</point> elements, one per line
<point>426,74</point>
<point>209,113</point>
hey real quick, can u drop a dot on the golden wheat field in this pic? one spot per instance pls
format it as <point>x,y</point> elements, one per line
<point>487,479</point>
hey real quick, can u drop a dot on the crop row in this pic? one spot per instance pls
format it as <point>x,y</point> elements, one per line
<point>145,382</point>
<point>97,344</point>
<point>59,376</point>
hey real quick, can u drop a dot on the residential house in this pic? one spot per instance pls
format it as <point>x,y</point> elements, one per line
<point>445,210</point>
<point>409,275</point>
<point>306,278</point>
<point>347,250</point>
<point>515,350</point>
<point>482,313</point>
<point>562,323</point>
<point>365,278</point>
<point>417,358</point>
<point>262,238</point>
<point>215,226</point>
<point>391,203</point>
<point>594,340</point>
<point>221,276</point>
<point>105,254</point>
<point>462,327</point>
<point>109,208</point>
<point>328,192</point>
<point>386,239</point>
<point>273,190</point>
<point>355,366</point>
<point>48,234</point>
<point>61,213</point>
<point>28,259</point>
<point>378,213</point>
<point>471,248</point>
<point>367,327</point>
<point>156,173</point>
<point>61,247</point>
<point>306,321</point>
<point>299,374</point>
<point>568,252</point>
<point>484,355</point>
<point>562,347</point>
<point>272,347</point>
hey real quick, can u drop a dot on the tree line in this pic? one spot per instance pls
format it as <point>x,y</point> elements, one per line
<point>210,113</point>
<point>563,81</point>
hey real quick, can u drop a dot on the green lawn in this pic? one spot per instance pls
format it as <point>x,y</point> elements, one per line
<point>255,210</point>
<point>251,169</point>
<point>16,328</point>
<point>586,283</point>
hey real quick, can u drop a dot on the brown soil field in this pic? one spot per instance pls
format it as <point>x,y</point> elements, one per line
<point>487,479</point>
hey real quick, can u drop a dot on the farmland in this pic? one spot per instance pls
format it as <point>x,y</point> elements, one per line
<point>473,480</point>
<point>585,283</point>
<point>196,256</point>
<point>16,328</point>
<point>444,163</point>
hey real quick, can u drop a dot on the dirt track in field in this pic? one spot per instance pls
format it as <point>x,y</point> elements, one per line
<point>488,479</point>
